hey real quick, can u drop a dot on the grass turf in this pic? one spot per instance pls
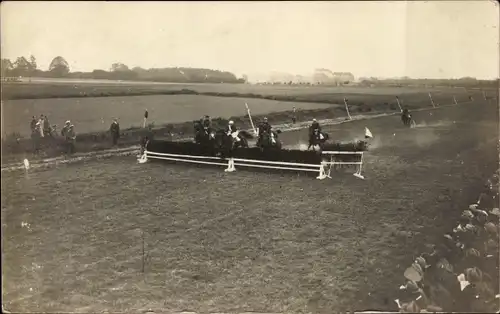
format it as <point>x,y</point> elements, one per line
<point>241,241</point>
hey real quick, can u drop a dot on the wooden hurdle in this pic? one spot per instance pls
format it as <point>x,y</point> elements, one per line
<point>323,169</point>
<point>333,162</point>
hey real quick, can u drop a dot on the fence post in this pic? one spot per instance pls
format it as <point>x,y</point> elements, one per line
<point>432,101</point>
<point>251,121</point>
<point>399,105</point>
<point>347,109</point>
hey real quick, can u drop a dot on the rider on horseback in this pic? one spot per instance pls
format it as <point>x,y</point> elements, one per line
<point>315,129</point>
<point>264,127</point>
<point>406,116</point>
<point>205,121</point>
<point>206,124</point>
<point>232,131</point>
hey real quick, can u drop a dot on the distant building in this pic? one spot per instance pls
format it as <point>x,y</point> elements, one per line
<point>327,77</point>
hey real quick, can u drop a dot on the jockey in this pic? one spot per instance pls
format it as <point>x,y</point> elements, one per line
<point>406,112</point>
<point>206,124</point>
<point>205,121</point>
<point>265,127</point>
<point>315,127</point>
<point>232,131</point>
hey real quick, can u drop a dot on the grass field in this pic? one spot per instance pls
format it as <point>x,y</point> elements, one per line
<point>49,89</point>
<point>90,114</point>
<point>96,114</point>
<point>93,115</point>
<point>219,242</point>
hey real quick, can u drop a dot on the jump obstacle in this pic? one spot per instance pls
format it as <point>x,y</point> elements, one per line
<point>321,164</point>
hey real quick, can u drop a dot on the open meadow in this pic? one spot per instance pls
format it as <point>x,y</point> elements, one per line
<point>96,114</point>
<point>241,242</point>
<point>92,114</point>
<point>44,88</point>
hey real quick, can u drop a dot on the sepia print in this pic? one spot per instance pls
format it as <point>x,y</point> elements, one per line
<point>250,157</point>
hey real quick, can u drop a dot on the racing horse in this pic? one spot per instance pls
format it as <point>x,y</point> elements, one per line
<point>225,144</point>
<point>269,140</point>
<point>317,139</point>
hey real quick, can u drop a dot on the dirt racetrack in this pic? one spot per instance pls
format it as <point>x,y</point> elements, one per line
<point>242,241</point>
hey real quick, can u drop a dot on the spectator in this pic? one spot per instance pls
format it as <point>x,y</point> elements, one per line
<point>41,121</point>
<point>33,125</point>
<point>146,115</point>
<point>46,126</point>
<point>36,137</point>
<point>115,131</point>
<point>68,132</point>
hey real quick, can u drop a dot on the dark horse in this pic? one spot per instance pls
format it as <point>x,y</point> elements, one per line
<point>407,119</point>
<point>225,144</point>
<point>269,140</point>
<point>317,138</point>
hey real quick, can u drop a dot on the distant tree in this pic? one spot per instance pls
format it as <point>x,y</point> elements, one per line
<point>139,70</point>
<point>100,74</point>
<point>7,67</point>
<point>59,67</point>
<point>21,67</point>
<point>118,67</point>
<point>467,78</point>
<point>32,66</point>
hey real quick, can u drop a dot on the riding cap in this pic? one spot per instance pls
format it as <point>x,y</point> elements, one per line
<point>314,120</point>
<point>68,122</point>
<point>265,118</point>
<point>231,122</point>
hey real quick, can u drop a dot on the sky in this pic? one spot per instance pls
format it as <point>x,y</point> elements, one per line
<point>438,39</point>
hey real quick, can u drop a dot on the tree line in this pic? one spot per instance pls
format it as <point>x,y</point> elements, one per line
<point>59,68</point>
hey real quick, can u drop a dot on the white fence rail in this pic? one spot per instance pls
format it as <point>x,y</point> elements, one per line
<point>323,169</point>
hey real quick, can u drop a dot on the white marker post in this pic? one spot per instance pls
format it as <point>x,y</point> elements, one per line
<point>432,101</point>
<point>455,100</point>
<point>484,95</point>
<point>399,105</point>
<point>250,117</point>
<point>347,109</point>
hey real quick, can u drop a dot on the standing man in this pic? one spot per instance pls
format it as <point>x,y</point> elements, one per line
<point>146,115</point>
<point>41,121</point>
<point>46,126</point>
<point>33,125</point>
<point>69,136</point>
<point>114,129</point>
<point>36,137</point>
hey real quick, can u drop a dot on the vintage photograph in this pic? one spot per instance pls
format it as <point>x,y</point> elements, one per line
<point>250,157</point>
